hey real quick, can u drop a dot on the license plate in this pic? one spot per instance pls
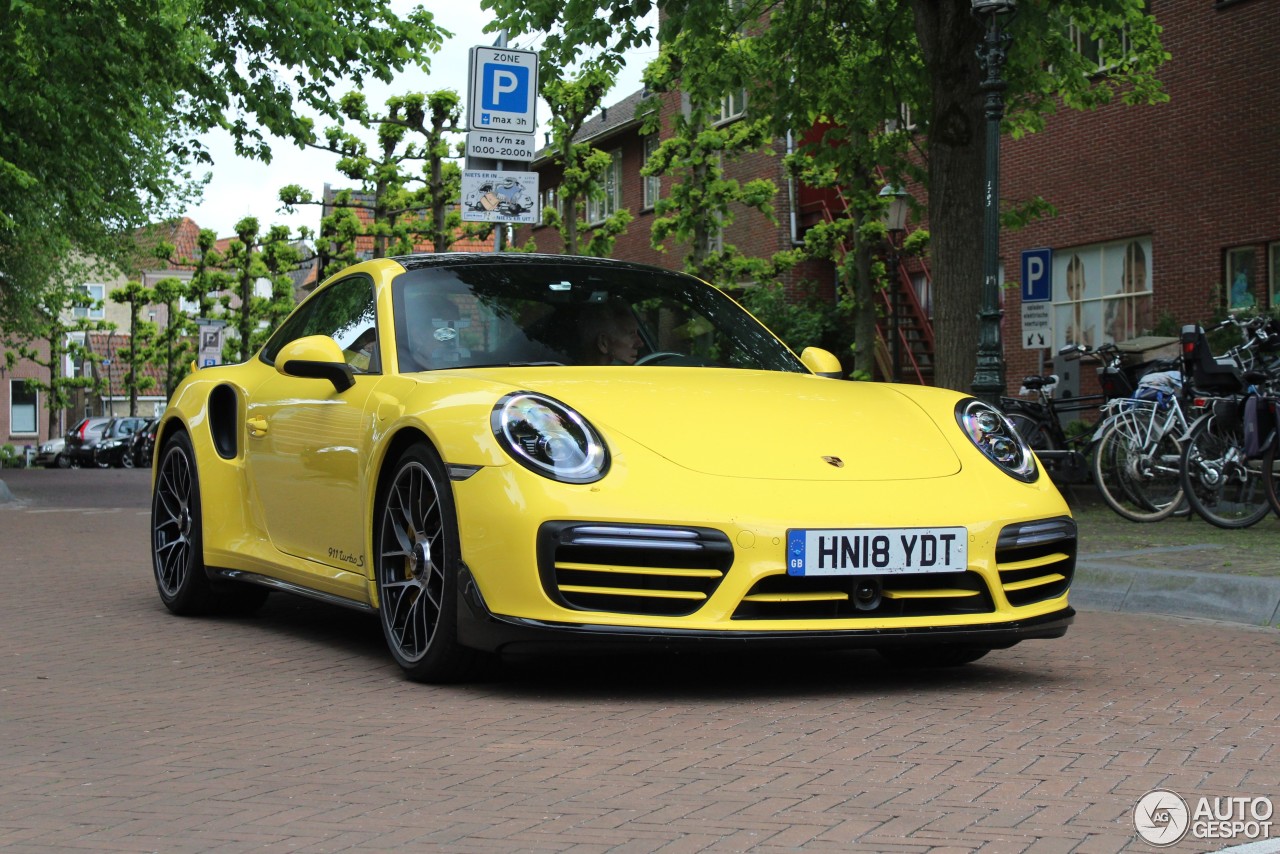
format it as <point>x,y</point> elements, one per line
<point>876,551</point>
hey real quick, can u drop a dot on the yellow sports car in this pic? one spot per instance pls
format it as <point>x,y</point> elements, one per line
<point>500,453</point>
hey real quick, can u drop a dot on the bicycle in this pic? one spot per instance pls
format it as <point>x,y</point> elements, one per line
<point>1137,460</point>
<point>1223,480</point>
<point>1039,422</point>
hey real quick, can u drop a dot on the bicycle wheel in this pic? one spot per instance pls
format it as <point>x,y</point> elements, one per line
<point>1138,480</point>
<point>1220,484</point>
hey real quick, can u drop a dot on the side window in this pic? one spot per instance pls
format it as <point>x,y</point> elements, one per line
<point>345,312</point>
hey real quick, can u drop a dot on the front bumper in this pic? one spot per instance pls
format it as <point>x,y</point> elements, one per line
<point>480,629</point>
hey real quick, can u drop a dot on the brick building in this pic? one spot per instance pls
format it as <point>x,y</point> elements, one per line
<point>1159,207</point>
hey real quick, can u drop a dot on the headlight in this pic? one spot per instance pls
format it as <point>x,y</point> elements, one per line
<point>987,428</point>
<point>546,436</point>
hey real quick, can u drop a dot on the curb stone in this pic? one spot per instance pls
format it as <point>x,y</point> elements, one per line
<point>1102,584</point>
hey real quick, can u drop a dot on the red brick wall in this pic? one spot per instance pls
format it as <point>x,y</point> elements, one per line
<point>1198,174</point>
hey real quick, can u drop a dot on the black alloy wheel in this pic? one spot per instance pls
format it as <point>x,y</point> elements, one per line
<point>416,561</point>
<point>177,544</point>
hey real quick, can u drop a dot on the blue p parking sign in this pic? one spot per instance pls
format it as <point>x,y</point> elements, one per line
<point>506,87</point>
<point>503,90</point>
<point>1037,275</point>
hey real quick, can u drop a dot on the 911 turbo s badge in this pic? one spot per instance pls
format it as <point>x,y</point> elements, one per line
<point>835,461</point>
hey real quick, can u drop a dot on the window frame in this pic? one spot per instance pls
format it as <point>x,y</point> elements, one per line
<point>1234,260</point>
<point>1106,299</point>
<point>19,389</point>
<point>1079,39</point>
<point>97,311</point>
<point>652,183</point>
<point>305,321</point>
<point>600,209</point>
<point>728,113</point>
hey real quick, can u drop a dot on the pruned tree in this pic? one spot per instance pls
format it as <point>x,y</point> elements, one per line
<point>406,188</point>
<point>173,350</point>
<point>142,334</point>
<point>252,258</point>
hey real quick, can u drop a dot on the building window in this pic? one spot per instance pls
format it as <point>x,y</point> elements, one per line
<point>905,121</point>
<point>1106,52</point>
<point>1102,293</point>
<point>733,105</point>
<point>1273,273</point>
<point>550,198</point>
<point>600,209</point>
<point>1240,281</point>
<point>24,403</point>
<point>96,293</point>
<point>652,183</point>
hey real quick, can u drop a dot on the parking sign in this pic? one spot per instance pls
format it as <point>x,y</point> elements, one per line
<point>503,89</point>
<point>1037,275</point>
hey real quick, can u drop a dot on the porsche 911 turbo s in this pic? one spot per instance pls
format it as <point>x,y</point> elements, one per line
<point>501,453</point>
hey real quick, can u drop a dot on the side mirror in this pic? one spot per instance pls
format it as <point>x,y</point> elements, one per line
<point>821,362</point>
<point>316,357</point>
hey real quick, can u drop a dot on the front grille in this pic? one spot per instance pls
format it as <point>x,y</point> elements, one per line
<point>1036,560</point>
<point>654,570</point>
<point>934,594</point>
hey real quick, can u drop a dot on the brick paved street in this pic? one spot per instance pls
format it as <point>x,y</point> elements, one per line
<point>123,728</point>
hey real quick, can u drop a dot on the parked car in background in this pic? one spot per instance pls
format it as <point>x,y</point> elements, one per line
<point>51,455</point>
<point>143,442</point>
<point>81,439</point>
<point>115,448</point>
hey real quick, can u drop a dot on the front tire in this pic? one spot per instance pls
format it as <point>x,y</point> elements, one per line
<point>416,551</point>
<point>177,543</point>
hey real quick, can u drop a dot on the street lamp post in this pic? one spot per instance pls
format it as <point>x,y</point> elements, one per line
<point>895,222</point>
<point>988,378</point>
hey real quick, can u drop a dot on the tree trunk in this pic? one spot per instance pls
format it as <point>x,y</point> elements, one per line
<point>949,37</point>
<point>55,375</point>
<point>133,359</point>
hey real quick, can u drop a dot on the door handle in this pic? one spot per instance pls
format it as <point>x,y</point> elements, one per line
<point>257,426</point>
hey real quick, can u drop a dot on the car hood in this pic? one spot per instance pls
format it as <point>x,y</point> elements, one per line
<point>760,424</point>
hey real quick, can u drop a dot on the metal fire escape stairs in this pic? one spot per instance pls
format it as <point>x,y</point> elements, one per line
<point>904,333</point>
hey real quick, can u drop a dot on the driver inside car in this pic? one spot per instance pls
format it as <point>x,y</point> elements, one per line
<point>609,335</point>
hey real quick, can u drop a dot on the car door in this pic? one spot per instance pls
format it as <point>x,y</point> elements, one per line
<point>307,443</point>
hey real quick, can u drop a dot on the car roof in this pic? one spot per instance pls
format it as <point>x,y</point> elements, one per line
<point>456,259</point>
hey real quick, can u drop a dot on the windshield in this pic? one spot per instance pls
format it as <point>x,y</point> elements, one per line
<point>472,315</point>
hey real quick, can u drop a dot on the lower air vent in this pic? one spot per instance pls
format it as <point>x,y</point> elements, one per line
<point>631,569</point>
<point>1036,560</point>
<point>786,597</point>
